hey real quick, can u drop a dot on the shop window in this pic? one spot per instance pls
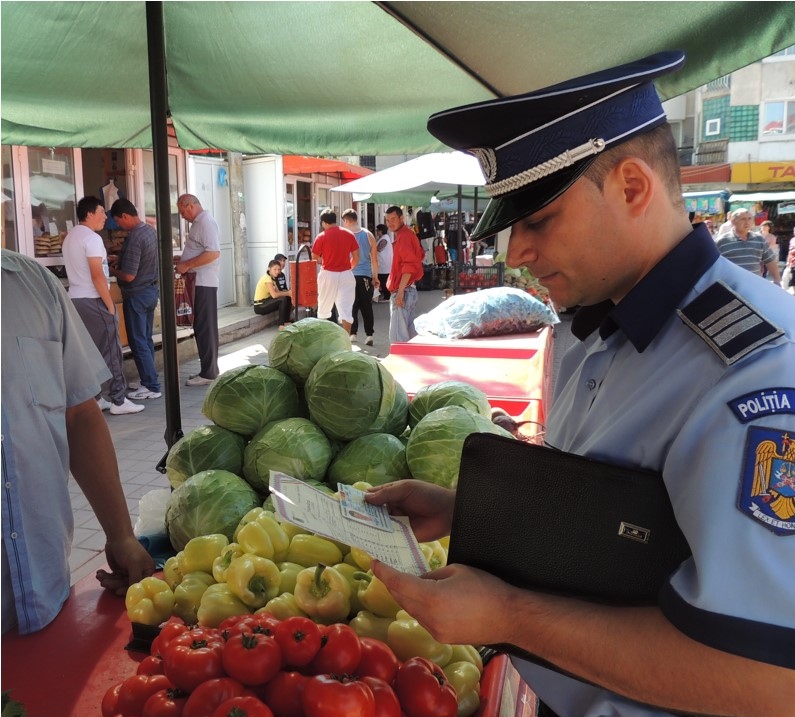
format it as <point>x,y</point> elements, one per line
<point>173,194</point>
<point>52,197</point>
<point>712,128</point>
<point>9,237</point>
<point>778,118</point>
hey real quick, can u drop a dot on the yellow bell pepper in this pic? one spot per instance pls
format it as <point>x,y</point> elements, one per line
<point>199,553</point>
<point>288,574</point>
<point>188,595</point>
<point>465,679</point>
<point>362,559</point>
<point>467,653</point>
<point>283,606</point>
<point>253,579</point>
<point>263,536</point>
<point>323,594</point>
<point>224,560</point>
<point>292,530</point>
<point>435,554</point>
<point>374,596</point>
<point>445,543</point>
<point>311,550</point>
<point>365,624</point>
<point>171,572</point>
<point>348,571</point>
<point>219,603</point>
<point>150,601</point>
<point>408,638</point>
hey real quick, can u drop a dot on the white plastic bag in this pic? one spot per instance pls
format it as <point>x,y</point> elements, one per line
<point>152,513</point>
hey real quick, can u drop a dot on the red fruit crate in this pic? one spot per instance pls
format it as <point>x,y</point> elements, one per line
<point>474,278</point>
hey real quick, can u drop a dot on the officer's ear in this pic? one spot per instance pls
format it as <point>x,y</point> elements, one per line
<point>633,182</point>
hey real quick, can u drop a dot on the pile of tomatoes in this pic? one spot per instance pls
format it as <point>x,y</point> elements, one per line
<point>259,666</point>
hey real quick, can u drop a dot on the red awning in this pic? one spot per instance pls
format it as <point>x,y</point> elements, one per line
<point>309,165</point>
<point>706,173</point>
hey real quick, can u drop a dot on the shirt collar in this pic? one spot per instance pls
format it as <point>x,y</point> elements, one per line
<point>642,313</point>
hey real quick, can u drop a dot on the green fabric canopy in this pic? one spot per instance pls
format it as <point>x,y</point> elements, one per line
<point>337,78</point>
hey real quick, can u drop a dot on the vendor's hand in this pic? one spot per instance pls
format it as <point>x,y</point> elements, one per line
<point>429,507</point>
<point>439,599</point>
<point>129,563</point>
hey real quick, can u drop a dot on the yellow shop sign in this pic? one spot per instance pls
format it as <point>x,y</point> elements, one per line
<point>763,172</point>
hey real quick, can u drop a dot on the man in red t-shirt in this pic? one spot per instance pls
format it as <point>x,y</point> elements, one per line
<point>337,252</point>
<point>407,256</point>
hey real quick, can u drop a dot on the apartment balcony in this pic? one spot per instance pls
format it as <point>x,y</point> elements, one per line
<point>714,152</point>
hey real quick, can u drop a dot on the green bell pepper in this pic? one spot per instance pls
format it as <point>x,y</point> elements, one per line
<point>171,572</point>
<point>219,603</point>
<point>348,571</point>
<point>199,553</point>
<point>150,601</point>
<point>311,550</point>
<point>435,554</point>
<point>365,624</point>
<point>374,596</point>
<point>467,653</point>
<point>465,679</point>
<point>408,638</point>
<point>323,594</point>
<point>288,574</point>
<point>283,606</point>
<point>188,595</point>
<point>253,579</point>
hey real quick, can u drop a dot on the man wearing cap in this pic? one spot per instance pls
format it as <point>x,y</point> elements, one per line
<point>671,374</point>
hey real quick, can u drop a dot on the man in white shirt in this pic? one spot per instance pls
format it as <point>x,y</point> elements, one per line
<point>86,262</point>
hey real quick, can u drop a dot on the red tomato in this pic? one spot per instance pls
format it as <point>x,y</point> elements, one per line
<point>424,690</point>
<point>386,701</point>
<point>262,623</point>
<point>340,651</point>
<point>283,694</point>
<point>299,639</point>
<point>253,659</point>
<point>166,703</point>
<point>110,701</point>
<point>332,696</point>
<point>378,660</point>
<point>150,665</point>
<point>136,690</point>
<point>192,658</point>
<point>243,707</point>
<point>168,632</point>
<point>206,698</point>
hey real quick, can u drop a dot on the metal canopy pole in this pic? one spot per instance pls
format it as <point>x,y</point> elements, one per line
<point>158,101</point>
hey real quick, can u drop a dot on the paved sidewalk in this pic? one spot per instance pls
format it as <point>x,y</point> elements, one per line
<point>139,438</point>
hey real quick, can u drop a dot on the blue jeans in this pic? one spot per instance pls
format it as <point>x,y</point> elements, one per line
<point>401,319</point>
<point>139,315</point>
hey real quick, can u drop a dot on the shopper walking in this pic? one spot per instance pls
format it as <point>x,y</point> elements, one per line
<point>407,256</point>
<point>202,256</point>
<point>366,275</point>
<point>337,252</point>
<point>136,271</point>
<point>86,263</point>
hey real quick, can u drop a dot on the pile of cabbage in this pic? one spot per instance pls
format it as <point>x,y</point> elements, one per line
<point>320,412</point>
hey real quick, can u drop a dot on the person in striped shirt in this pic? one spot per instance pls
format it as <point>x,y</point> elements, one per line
<point>746,248</point>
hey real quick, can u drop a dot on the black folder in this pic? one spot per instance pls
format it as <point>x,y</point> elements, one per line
<point>544,519</point>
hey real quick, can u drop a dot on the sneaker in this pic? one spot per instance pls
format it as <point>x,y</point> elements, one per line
<point>368,341</point>
<point>134,385</point>
<point>198,381</point>
<point>354,339</point>
<point>126,407</point>
<point>143,393</point>
<point>103,404</point>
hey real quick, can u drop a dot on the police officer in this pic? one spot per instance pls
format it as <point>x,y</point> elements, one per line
<point>685,365</point>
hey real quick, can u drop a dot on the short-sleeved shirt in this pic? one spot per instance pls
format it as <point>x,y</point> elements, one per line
<point>204,236</point>
<point>263,291</point>
<point>139,257</point>
<point>80,244</point>
<point>749,253</point>
<point>335,246</point>
<point>691,375</point>
<point>49,363</point>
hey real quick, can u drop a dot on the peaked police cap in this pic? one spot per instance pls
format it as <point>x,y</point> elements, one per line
<point>533,147</point>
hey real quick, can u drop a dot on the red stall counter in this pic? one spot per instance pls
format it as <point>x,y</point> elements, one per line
<point>65,669</point>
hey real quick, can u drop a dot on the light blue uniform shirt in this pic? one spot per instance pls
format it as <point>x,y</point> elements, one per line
<point>644,389</point>
<point>49,363</point>
<point>365,265</point>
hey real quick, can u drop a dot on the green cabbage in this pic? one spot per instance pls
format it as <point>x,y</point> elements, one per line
<point>246,398</point>
<point>203,449</point>
<point>378,458</point>
<point>434,447</point>
<point>448,393</point>
<point>300,346</point>
<point>209,502</point>
<point>352,394</point>
<point>294,446</point>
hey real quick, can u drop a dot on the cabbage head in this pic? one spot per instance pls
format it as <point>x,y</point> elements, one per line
<point>352,394</point>
<point>448,393</point>
<point>377,459</point>
<point>300,346</point>
<point>294,446</point>
<point>203,449</point>
<point>435,444</point>
<point>209,502</point>
<point>244,399</point>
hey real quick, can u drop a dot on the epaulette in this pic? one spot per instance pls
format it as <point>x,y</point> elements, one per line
<point>728,324</point>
